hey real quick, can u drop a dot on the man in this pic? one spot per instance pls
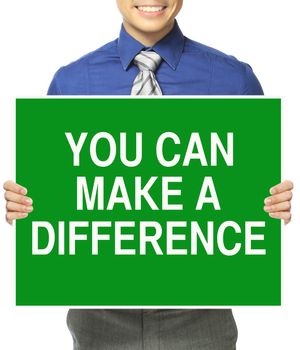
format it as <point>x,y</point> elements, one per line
<point>152,57</point>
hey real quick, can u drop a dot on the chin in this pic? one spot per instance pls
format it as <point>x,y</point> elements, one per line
<point>151,27</point>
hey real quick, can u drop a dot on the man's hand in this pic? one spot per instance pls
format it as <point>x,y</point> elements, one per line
<point>18,206</point>
<point>278,205</point>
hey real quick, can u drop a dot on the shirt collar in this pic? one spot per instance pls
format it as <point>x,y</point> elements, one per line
<point>169,47</point>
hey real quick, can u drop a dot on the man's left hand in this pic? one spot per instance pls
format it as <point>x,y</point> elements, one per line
<point>278,205</point>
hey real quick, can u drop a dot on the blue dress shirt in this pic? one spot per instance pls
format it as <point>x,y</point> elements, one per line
<point>188,68</point>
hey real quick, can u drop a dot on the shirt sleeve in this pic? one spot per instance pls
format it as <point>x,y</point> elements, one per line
<point>54,86</point>
<point>252,85</point>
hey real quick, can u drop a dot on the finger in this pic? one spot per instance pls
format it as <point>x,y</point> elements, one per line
<point>13,215</point>
<point>17,198</point>
<point>282,187</point>
<point>288,220</point>
<point>277,198</point>
<point>284,215</point>
<point>9,221</point>
<point>283,206</point>
<point>13,187</point>
<point>12,206</point>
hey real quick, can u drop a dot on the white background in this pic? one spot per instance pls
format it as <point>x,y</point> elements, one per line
<point>37,37</point>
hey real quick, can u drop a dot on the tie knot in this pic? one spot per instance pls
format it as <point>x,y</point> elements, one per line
<point>147,60</point>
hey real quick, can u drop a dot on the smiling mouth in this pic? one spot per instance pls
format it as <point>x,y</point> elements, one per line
<point>151,9</point>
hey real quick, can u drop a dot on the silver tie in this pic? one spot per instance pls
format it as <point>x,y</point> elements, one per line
<point>145,83</point>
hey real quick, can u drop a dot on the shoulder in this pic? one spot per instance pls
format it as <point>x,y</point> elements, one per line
<point>75,74</point>
<point>95,55</point>
<point>194,47</point>
<point>226,69</point>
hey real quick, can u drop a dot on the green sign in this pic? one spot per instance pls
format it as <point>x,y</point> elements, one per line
<point>148,202</point>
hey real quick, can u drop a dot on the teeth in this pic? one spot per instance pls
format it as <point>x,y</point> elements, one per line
<point>150,8</point>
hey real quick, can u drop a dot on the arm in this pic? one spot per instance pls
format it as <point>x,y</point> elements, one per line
<point>278,205</point>
<point>18,205</point>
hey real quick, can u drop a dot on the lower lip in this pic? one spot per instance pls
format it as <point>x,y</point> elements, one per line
<point>151,14</point>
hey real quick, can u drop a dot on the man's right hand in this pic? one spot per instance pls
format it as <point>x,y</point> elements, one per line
<point>18,205</point>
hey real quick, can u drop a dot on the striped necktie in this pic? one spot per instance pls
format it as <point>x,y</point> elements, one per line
<point>145,83</point>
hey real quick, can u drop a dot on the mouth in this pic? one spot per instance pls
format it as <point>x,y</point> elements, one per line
<point>151,10</point>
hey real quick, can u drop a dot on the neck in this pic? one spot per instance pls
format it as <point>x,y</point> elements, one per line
<point>146,38</point>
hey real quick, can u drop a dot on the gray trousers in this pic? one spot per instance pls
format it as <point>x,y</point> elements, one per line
<point>149,329</point>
